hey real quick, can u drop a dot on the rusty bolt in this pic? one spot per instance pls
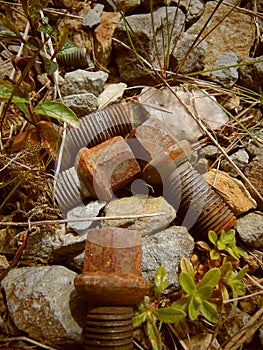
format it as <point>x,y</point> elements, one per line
<point>198,206</point>
<point>154,136</point>
<point>111,284</point>
<point>112,268</point>
<point>159,166</point>
<point>107,167</point>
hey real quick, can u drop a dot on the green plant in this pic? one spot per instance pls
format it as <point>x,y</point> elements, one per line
<point>197,296</point>
<point>38,48</point>
<point>48,109</point>
<point>225,243</point>
<point>152,310</point>
<point>232,279</point>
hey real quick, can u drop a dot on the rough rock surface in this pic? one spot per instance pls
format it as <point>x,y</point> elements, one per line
<point>166,106</point>
<point>81,104</point>
<point>140,204</point>
<point>142,34</point>
<point>166,249</point>
<point>103,37</point>
<point>82,82</point>
<point>111,94</point>
<point>240,158</point>
<point>234,34</point>
<point>42,301</point>
<point>92,209</point>
<point>250,229</point>
<point>195,59</point>
<point>231,190</point>
<point>251,75</point>
<point>227,77</point>
<point>92,17</point>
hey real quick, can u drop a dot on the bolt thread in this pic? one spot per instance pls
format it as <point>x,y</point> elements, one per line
<point>199,206</point>
<point>109,328</point>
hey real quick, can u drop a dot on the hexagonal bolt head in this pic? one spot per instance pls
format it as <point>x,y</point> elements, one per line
<point>107,167</point>
<point>112,268</point>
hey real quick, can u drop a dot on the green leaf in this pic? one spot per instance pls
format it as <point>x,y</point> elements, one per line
<point>194,308</point>
<point>213,237</point>
<point>242,252</point>
<point>204,292</point>
<point>211,278</point>
<point>182,303</point>
<point>187,267</point>
<point>214,254</point>
<point>232,252</point>
<point>221,245</point>
<point>139,319</point>
<point>187,283</point>
<point>225,267</point>
<point>6,91</point>
<point>228,237</point>
<point>224,293</point>
<point>7,36</point>
<point>58,111</point>
<point>209,311</point>
<point>160,281</point>
<point>8,22</point>
<point>169,314</point>
<point>242,272</point>
<point>154,335</point>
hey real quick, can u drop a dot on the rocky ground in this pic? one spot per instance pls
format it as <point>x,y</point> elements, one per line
<point>192,85</point>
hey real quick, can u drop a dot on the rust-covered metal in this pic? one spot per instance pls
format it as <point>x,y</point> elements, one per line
<point>107,167</point>
<point>112,268</point>
<point>111,284</point>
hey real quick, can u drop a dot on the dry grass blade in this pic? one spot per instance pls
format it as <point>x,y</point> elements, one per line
<point>63,221</point>
<point>254,323</point>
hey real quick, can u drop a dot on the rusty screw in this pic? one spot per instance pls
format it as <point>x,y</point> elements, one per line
<point>111,284</point>
<point>107,167</point>
<point>198,206</point>
<point>98,172</point>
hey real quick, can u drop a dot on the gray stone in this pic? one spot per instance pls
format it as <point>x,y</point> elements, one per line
<point>195,60</point>
<point>232,31</point>
<point>233,319</point>
<point>82,82</point>
<point>166,248</point>
<point>255,150</point>
<point>139,205</point>
<point>223,75</point>
<point>81,104</point>
<point>210,151</point>
<point>92,18</point>
<point>111,94</point>
<point>142,35</point>
<point>68,243</point>
<point>77,262</point>
<point>40,243</point>
<point>165,105</point>
<point>43,302</point>
<point>127,6</point>
<point>251,74</point>
<point>250,229</point>
<point>192,8</point>
<point>240,158</point>
<point>92,209</point>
